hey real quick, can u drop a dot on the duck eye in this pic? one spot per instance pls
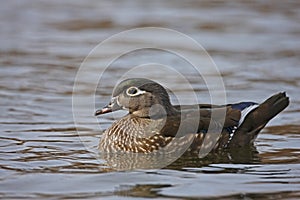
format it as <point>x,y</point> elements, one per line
<point>132,91</point>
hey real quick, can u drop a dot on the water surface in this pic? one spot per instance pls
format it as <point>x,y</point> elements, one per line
<point>255,45</point>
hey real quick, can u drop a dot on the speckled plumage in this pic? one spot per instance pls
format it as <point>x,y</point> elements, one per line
<point>133,134</point>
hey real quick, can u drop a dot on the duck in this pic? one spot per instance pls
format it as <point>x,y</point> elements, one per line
<point>153,122</point>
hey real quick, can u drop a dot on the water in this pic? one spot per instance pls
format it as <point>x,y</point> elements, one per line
<point>255,45</point>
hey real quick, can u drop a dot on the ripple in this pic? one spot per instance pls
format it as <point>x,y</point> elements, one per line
<point>254,44</point>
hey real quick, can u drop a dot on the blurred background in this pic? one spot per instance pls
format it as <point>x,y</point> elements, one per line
<point>255,45</point>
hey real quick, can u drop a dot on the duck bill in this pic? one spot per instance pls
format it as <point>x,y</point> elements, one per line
<point>111,107</point>
<point>104,110</point>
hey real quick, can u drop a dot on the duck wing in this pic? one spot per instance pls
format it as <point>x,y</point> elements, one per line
<point>241,122</point>
<point>190,121</point>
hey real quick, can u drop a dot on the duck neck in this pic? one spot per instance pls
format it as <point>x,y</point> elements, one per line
<point>156,111</point>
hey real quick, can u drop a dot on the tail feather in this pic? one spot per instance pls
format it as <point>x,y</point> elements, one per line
<point>258,118</point>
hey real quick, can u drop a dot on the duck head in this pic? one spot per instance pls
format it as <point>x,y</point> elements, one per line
<point>141,97</point>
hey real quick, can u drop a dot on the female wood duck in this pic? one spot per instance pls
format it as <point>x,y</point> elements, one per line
<point>153,121</point>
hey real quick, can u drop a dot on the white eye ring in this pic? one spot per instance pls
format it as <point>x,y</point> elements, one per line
<point>134,91</point>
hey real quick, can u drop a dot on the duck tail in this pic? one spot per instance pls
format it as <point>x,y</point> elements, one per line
<point>257,118</point>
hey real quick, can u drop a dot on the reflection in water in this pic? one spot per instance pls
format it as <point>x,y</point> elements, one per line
<point>246,155</point>
<point>254,44</point>
<point>146,191</point>
<point>130,161</point>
